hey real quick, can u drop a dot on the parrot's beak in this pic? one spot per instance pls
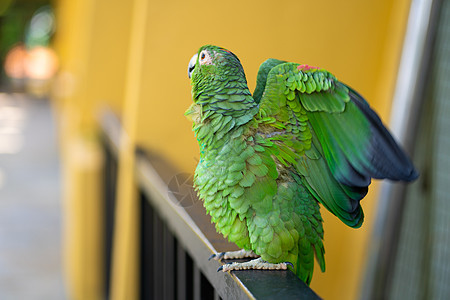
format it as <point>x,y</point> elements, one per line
<point>192,65</point>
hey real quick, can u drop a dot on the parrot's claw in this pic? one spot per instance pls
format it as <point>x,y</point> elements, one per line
<point>217,256</point>
<point>239,254</point>
<point>255,264</point>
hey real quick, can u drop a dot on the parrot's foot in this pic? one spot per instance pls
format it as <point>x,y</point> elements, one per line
<point>234,255</point>
<point>255,264</point>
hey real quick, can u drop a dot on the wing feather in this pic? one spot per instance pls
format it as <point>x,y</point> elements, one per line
<point>348,144</point>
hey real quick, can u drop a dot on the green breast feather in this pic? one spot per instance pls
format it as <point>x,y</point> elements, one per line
<point>266,162</point>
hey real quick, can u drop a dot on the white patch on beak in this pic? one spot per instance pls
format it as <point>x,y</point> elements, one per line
<point>191,66</point>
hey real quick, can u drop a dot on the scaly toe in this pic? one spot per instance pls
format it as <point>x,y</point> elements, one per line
<point>256,264</point>
<point>239,254</point>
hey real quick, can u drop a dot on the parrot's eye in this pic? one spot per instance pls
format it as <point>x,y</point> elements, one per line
<point>205,58</point>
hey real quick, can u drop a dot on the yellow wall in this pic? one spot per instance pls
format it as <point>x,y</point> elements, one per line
<point>359,41</point>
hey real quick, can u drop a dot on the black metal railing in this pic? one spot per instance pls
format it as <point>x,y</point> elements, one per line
<point>177,237</point>
<point>109,201</point>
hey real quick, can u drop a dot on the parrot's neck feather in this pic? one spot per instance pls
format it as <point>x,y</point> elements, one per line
<point>214,129</point>
<point>222,105</point>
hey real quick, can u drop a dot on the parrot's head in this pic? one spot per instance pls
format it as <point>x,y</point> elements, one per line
<point>211,67</point>
<point>219,87</point>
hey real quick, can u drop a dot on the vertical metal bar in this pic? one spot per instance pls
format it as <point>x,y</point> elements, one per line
<point>181,273</point>
<point>158,263</point>
<point>207,290</point>
<point>169,264</point>
<point>109,187</point>
<point>197,282</point>
<point>146,253</point>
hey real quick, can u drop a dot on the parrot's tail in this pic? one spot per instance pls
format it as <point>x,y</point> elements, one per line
<point>305,264</point>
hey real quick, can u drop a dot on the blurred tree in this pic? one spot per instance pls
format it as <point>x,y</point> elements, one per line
<point>15,16</point>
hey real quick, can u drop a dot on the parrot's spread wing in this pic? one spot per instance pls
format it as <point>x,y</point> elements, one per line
<point>261,79</point>
<point>329,135</point>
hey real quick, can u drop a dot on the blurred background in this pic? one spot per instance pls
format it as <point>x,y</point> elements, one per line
<point>68,66</point>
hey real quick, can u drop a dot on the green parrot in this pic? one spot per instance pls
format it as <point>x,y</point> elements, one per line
<point>267,160</point>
